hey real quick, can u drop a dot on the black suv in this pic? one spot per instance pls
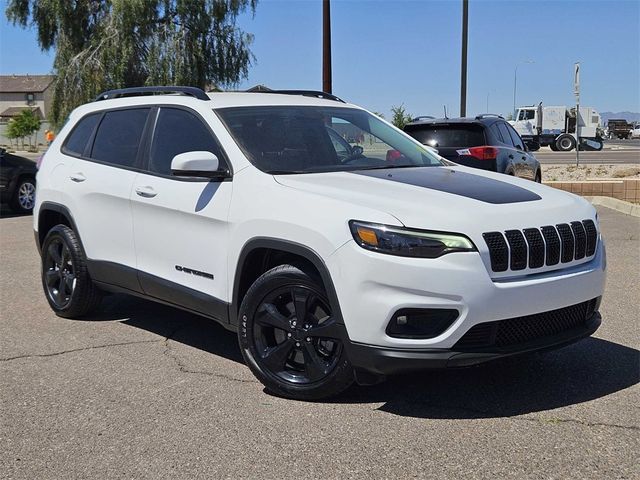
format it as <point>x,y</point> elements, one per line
<point>486,141</point>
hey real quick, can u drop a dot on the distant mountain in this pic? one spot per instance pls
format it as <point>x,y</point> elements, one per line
<point>628,116</point>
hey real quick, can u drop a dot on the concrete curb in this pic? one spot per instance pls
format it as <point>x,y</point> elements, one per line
<point>628,208</point>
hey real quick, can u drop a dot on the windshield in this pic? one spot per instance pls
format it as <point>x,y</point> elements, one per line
<point>306,139</point>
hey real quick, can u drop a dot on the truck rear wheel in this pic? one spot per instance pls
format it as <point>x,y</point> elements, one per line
<point>552,146</point>
<point>565,143</point>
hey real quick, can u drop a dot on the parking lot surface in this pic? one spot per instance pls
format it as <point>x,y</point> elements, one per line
<point>145,391</point>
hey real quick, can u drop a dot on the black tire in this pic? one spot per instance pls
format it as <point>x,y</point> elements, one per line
<point>538,177</point>
<point>24,196</point>
<point>65,279</point>
<point>303,359</point>
<point>565,143</point>
<point>552,146</point>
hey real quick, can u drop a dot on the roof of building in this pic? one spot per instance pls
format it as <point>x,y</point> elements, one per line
<point>25,83</point>
<point>15,111</point>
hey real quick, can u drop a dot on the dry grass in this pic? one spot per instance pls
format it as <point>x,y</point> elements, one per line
<point>627,172</point>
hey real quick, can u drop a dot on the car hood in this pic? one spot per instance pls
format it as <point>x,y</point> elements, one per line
<point>452,199</point>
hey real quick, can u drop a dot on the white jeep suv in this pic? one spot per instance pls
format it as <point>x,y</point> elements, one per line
<point>337,247</point>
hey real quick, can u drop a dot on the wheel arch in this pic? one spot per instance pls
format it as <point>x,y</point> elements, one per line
<point>260,254</point>
<point>51,214</point>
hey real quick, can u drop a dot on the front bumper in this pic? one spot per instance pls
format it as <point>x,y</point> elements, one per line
<point>381,361</point>
<point>372,287</point>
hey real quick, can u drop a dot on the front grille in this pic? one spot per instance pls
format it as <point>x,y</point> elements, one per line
<point>546,245</point>
<point>521,330</point>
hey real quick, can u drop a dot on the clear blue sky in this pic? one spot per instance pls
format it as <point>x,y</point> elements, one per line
<point>391,52</point>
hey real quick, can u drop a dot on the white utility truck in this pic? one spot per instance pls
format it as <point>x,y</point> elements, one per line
<point>556,127</point>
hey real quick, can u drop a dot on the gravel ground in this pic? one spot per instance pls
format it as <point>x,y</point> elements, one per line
<point>589,172</point>
<point>145,391</point>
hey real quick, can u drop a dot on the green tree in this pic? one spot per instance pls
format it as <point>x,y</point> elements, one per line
<point>400,117</point>
<point>105,44</point>
<point>24,125</point>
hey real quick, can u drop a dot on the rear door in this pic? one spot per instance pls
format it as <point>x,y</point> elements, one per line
<point>180,224</point>
<point>513,164</point>
<point>524,159</point>
<point>107,158</point>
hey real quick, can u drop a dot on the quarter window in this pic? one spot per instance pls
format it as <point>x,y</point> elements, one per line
<point>118,136</point>
<point>504,131</point>
<point>77,141</point>
<point>178,131</point>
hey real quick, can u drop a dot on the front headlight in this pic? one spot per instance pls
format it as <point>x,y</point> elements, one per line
<point>408,243</point>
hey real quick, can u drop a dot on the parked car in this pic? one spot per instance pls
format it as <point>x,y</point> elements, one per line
<point>330,267</point>
<point>635,132</point>
<point>17,182</point>
<point>487,142</point>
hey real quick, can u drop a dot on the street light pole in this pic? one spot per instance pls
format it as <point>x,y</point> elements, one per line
<point>463,66</point>
<point>326,46</point>
<point>515,84</point>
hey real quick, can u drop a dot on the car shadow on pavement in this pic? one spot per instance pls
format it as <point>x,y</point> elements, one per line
<point>176,325</point>
<point>587,370</point>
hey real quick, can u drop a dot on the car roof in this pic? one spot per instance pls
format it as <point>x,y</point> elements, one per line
<point>480,120</point>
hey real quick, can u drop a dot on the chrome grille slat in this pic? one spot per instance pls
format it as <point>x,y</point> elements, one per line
<point>537,247</point>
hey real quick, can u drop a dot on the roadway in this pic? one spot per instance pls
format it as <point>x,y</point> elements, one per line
<point>139,390</point>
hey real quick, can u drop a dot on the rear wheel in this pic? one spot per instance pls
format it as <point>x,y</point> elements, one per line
<point>289,337</point>
<point>69,290</point>
<point>552,146</point>
<point>538,178</point>
<point>565,143</point>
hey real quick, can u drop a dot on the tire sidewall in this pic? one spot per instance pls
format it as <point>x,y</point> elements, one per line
<point>339,378</point>
<point>68,237</point>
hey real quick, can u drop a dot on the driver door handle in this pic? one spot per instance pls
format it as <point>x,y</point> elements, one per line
<point>146,192</point>
<point>77,177</point>
<point>511,156</point>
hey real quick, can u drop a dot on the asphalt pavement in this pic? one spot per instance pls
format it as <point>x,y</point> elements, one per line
<point>145,391</point>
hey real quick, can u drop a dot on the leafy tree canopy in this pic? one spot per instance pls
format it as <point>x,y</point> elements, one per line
<point>105,44</point>
<point>25,124</point>
<point>400,117</point>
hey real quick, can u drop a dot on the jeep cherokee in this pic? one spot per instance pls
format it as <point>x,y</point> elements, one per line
<point>283,217</point>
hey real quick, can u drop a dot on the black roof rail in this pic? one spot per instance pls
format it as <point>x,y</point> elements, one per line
<point>304,93</point>
<point>423,117</point>
<point>484,115</point>
<point>140,91</point>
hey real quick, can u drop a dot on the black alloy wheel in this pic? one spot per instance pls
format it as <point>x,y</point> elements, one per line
<point>65,278</point>
<point>289,337</point>
<point>295,336</point>
<point>59,273</point>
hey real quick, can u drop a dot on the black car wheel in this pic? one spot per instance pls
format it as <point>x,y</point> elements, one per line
<point>67,285</point>
<point>24,197</point>
<point>538,178</point>
<point>565,143</point>
<point>289,338</point>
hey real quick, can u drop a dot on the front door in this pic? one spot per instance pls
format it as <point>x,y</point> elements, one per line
<point>180,224</point>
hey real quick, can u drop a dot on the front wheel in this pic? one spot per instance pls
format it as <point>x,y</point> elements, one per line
<point>290,338</point>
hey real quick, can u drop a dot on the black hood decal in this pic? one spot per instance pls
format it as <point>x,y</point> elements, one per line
<point>455,182</point>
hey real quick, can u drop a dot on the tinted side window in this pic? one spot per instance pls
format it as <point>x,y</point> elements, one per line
<point>118,136</point>
<point>178,131</point>
<point>77,140</point>
<point>495,131</point>
<point>515,138</point>
<point>448,135</point>
<point>506,138</point>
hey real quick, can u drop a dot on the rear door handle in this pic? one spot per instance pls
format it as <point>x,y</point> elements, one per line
<point>511,156</point>
<point>77,177</point>
<point>146,192</point>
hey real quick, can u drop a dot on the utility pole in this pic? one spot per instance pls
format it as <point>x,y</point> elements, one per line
<point>463,66</point>
<point>326,46</point>
<point>576,92</point>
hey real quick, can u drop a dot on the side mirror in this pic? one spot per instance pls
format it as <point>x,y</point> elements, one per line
<point>197,164</point>
<point>357,150</point>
